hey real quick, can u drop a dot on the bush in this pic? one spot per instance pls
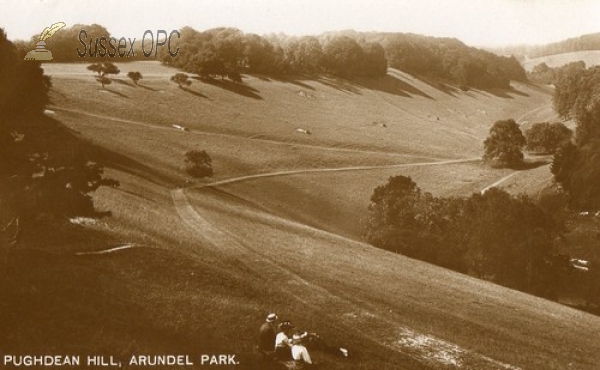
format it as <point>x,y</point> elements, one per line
<point>198,164</point>
<point>181,79</point>
<point>135,76</point>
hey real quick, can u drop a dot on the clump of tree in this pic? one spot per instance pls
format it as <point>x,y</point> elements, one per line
<point>198,164</point>
<point>543,74</point>
<point>103,69</point>
<point>135,76</point>
<point>495,236</point>
<point>576,166</point>
<point>46,173</point>
<point>449,59</point>
<point>181,79</point>
<point>504,144</point>
<point>545,137</point>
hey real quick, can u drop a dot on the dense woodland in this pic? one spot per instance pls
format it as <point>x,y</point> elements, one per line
<point>576,164</point>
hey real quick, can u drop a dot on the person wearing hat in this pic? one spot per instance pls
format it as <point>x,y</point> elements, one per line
<point>283,342</point>
<point>300,354</point>
<point>266,336</point>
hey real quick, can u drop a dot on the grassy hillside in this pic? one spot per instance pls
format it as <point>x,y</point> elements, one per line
<point>206,264</point>
<point>590,57</point>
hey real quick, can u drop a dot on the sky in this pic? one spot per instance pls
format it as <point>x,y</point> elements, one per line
<point>484,23</point>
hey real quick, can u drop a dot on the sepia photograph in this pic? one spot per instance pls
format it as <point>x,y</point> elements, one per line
<point>289,185</point>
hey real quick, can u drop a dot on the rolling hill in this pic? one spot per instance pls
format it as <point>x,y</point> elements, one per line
<point>278,227</point>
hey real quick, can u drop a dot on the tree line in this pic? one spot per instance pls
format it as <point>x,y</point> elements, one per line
<point>347,54</point>
<point>227,52</point>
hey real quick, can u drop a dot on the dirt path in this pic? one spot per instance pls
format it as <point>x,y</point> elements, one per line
<point>326,170</point>
<point>106,251</point>
<point>495,184</point>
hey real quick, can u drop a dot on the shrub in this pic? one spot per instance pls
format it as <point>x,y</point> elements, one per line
<point>198,164</point>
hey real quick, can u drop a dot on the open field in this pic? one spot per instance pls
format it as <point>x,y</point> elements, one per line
<point>278,227</point>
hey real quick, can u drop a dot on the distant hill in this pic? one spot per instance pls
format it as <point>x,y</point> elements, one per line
<point>589,57</point>
<point>581,43</point>
<point>575,44</point>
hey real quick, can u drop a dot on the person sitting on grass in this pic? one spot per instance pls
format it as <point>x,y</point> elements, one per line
<point>300,353</point>
<point>283,342</point>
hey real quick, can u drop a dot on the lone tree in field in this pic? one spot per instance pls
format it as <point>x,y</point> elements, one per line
<point>181,79</point>
<point>103,69</point>
<point>546,137</point>
<point>504,145</point>
<point>198,163</point>
<point>96,68</point>
<point>135,76</point>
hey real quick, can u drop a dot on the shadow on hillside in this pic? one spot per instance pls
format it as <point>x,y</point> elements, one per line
<point>196,93</point>
<point>389,84</point>
<point>392,85</point>
<point>449,88</point>
<point>117,161</point>
<point>238,88</point>
<point>296,81</point>
<point>502,93</point>
<point>339,84</point>
<point>130,84</point>
<point>261,77</point>
<point>122,82</point>
<point>531,164</point>
<point>117,93</point>
<point>146,87</point>
<point>439,85</point>
<point>61,136</point>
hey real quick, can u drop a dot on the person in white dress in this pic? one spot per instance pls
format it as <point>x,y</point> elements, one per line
<point>283,342</point>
